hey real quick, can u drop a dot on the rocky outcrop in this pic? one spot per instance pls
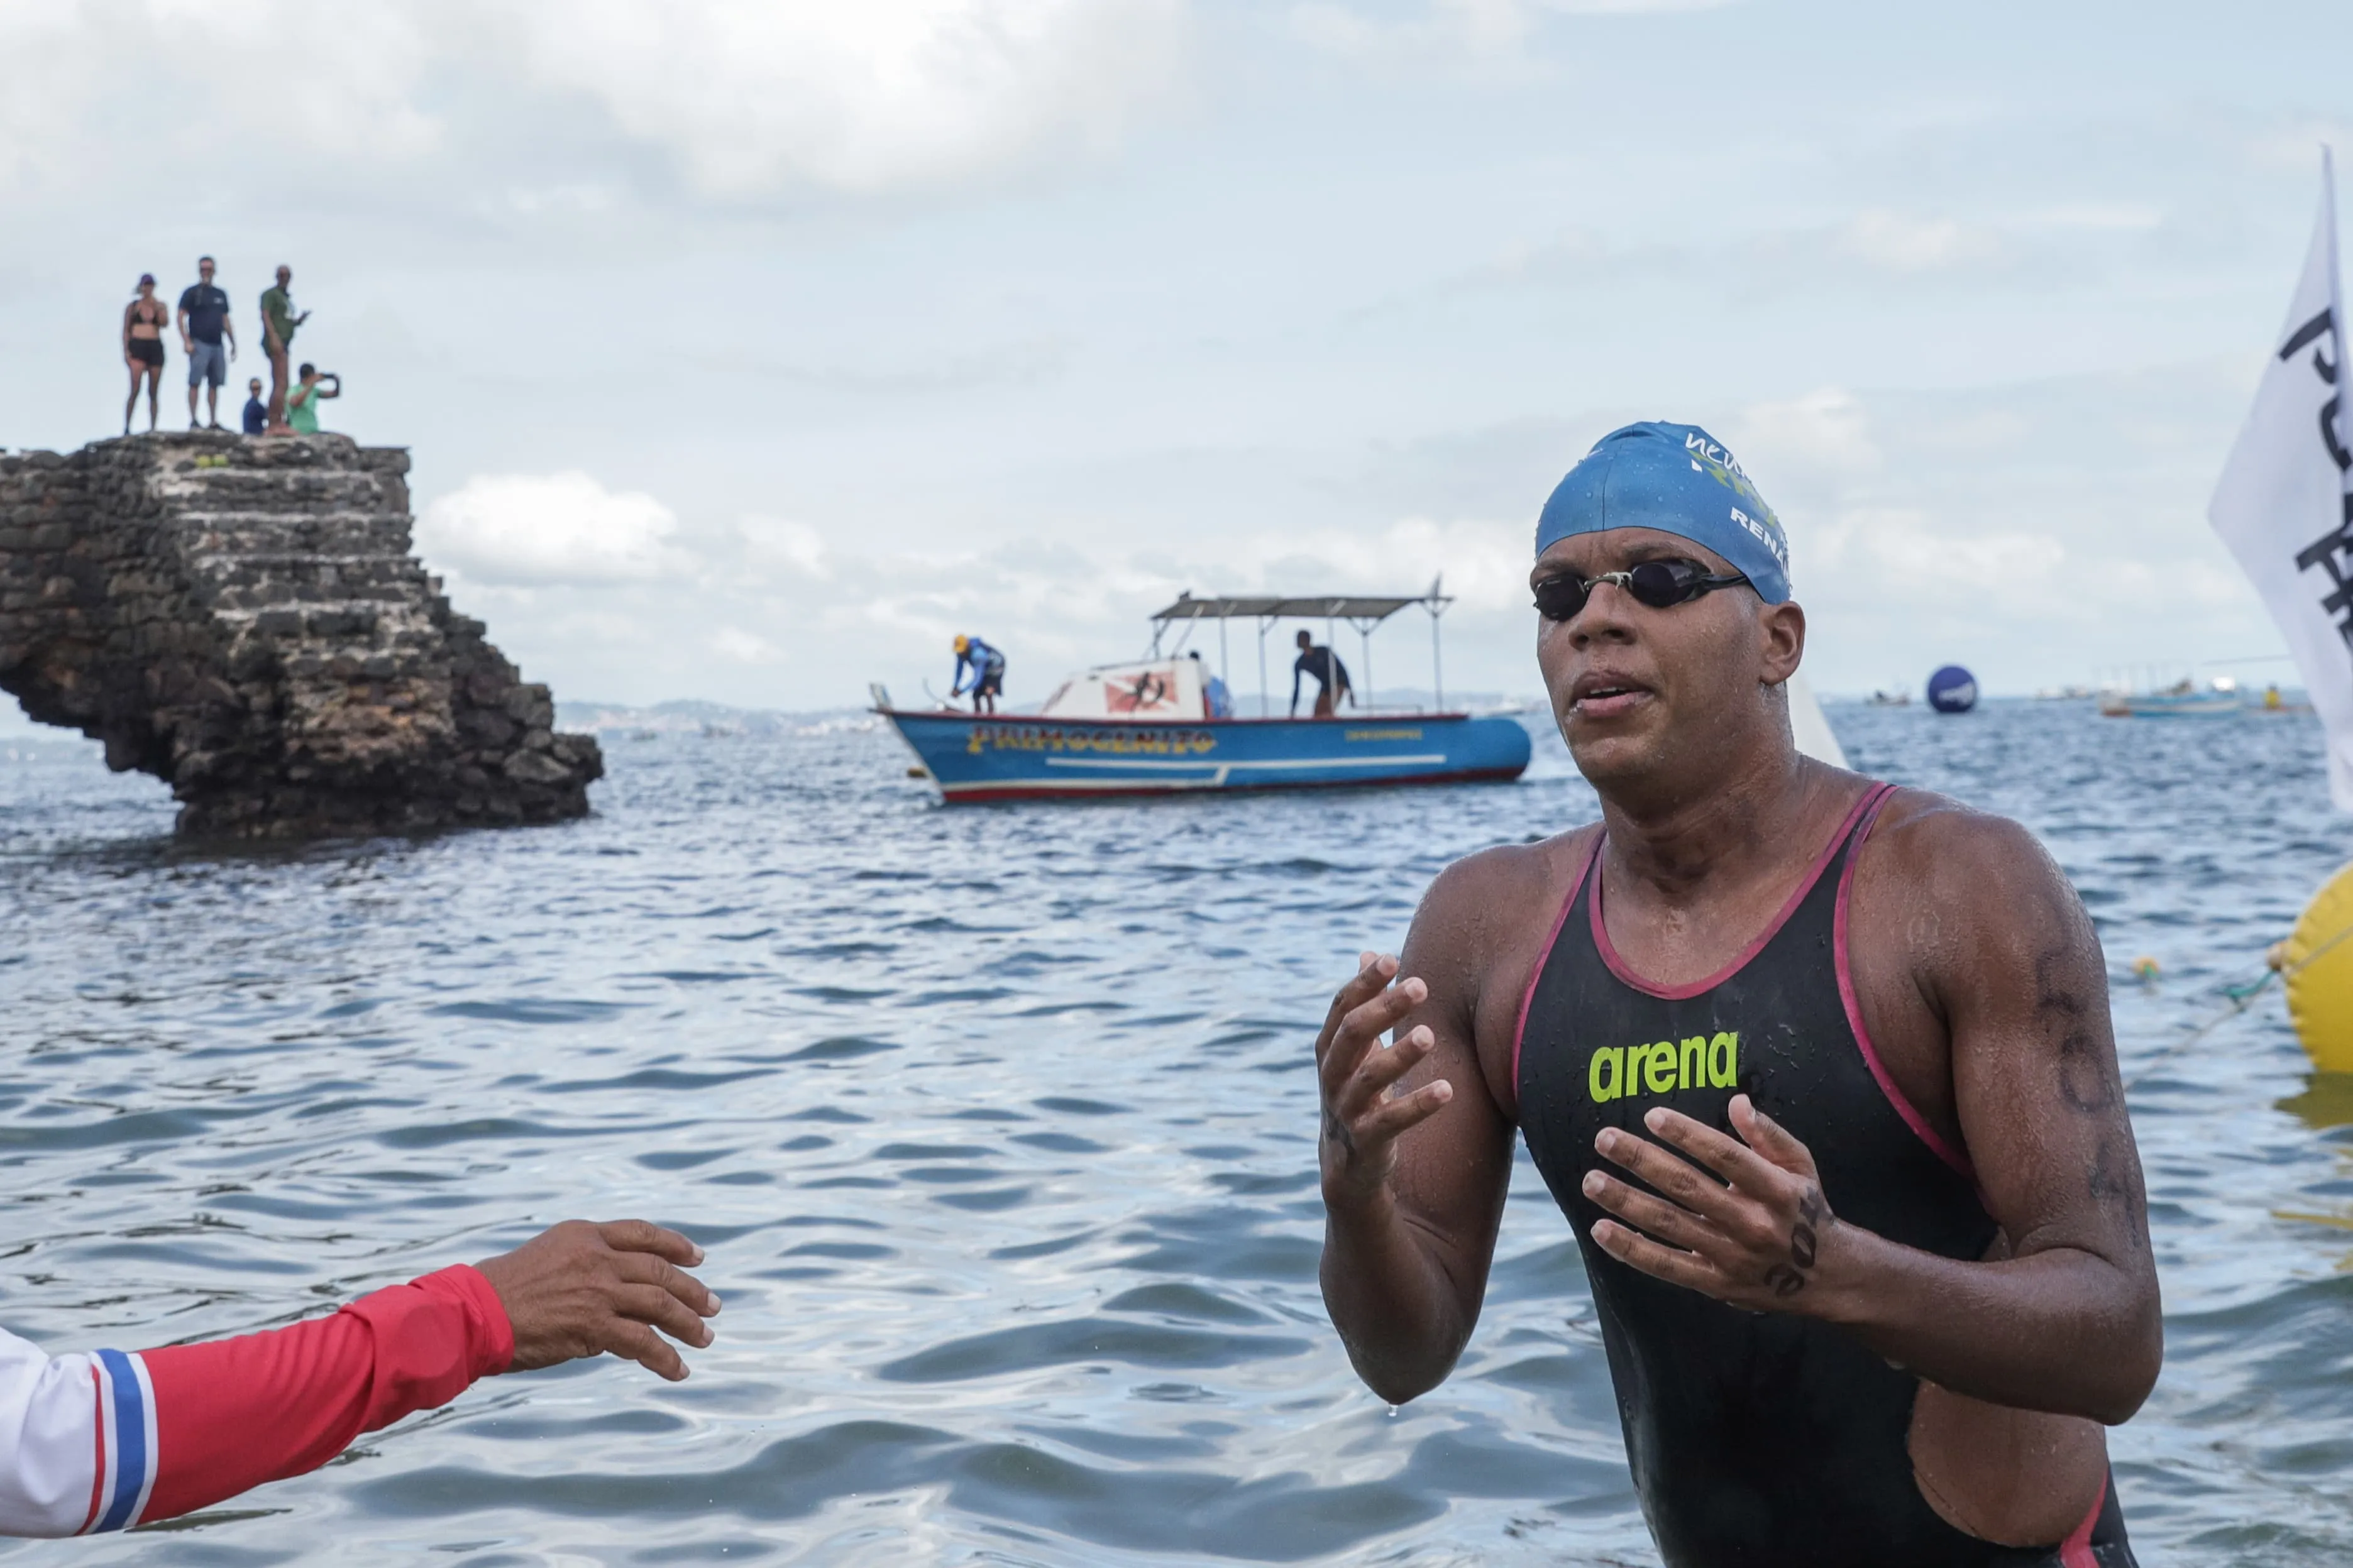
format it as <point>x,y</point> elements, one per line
<point>243,619</point>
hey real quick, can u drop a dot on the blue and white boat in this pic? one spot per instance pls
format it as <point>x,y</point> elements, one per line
<point>1146,728</point>
<point>2218,699</point>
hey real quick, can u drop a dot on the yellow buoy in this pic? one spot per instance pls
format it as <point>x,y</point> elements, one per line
<point>2146,970</point>
<point>2316,962</point>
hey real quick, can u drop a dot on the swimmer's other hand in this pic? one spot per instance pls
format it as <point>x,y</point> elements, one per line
<point>579,1289</point>
<point>1364,1111</point>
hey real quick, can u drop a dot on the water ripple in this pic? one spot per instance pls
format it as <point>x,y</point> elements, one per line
<point>999,1128</point>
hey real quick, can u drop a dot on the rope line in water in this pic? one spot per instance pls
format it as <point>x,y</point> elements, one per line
<point>2240,995</point>
<point>2301,964</point>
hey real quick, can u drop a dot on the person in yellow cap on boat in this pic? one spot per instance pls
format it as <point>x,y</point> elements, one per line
<point>987,669</point>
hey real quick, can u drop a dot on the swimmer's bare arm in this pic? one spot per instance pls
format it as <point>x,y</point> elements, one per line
<point>1416,1156</point>
<point>2064,1317</point>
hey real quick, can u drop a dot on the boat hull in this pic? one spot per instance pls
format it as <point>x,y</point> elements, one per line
<point>2194,707</point>
<point>1015,756</point>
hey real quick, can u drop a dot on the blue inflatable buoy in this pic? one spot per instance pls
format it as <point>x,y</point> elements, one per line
<point>1952,689</point>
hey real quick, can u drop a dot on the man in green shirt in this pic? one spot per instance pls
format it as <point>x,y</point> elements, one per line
<point>277,323</point>
<point>303,403</point>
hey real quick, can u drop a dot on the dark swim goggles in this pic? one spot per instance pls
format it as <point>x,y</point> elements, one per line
<point>1658,584</point>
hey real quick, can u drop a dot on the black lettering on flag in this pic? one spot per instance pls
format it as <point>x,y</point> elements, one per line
<point>2324,323</point>
<point>2336,452</point>
<point>2324,553</point>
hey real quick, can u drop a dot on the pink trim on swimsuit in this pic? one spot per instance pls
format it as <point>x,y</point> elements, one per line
<point>2075,1551</point>
<point>1618,967</point>
<point>1559,922</point>
<point>1904,1107</point>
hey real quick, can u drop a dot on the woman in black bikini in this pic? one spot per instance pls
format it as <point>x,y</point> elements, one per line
<point>144,321</point>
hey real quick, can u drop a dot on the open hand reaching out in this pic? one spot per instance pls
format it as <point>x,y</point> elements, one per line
<point>580,1289</point>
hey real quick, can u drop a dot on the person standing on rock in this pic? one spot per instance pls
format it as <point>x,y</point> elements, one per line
<point>143,348</point>
<point>302,402</point>
<point>103,1440</point>
<point>203,320</point>
<point>277,323</point>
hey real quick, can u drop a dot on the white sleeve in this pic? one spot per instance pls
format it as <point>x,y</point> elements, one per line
<point>77,1440</point>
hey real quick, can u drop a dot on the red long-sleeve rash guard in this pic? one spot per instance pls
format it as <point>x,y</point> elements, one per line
<point>109,1440</point>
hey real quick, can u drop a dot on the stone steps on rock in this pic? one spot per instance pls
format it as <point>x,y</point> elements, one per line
<point>256,631</point>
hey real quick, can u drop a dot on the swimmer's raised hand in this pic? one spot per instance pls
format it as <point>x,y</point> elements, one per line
<point>1362,1118</point>
<point>579,1289</point>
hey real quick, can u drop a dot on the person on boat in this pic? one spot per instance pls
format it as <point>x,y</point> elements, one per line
<point>987,667</point>
<point>1216,701</point>
<point>1820,1070</point>
<point>103,1440</point>
<point>144,321</point>
<point>1331,676</point>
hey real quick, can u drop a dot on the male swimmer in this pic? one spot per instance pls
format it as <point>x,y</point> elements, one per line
<point>1820,1070</point>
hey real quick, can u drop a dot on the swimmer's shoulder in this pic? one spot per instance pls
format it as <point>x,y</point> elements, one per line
<point>1484,926</point>
<point>1486,919</point>
<point>1506,883</point>
<point>1929,848</point>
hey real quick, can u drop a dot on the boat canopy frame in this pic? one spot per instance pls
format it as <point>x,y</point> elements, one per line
<point>1363,612</point>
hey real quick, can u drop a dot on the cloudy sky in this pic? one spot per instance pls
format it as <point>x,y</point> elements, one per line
<point>749,349</point>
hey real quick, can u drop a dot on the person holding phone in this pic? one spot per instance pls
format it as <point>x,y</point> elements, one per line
<point>302,402</point>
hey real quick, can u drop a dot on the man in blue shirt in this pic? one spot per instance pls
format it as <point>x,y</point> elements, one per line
<point>1331,676</point>
<point>987,666</point>
<point>203,322</point>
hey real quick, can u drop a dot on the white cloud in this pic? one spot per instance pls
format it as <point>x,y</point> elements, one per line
<point>1478,26</point>
<point>281,81</point>
<point>1905,550</point>
<point>753,94</point>
<point>1900,242</point>
<point>1823,430</point>
<point>743,648</point>
<point>747,97</point>
<point>793,544</point>
<point>541,529</point>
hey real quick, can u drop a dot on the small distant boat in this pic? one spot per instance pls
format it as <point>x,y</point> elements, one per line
<point>1145,728</point>
<point>1884,699</point>
<point>2218,699</point>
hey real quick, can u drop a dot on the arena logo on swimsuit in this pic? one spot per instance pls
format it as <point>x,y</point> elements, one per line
<point>1617,1072</point>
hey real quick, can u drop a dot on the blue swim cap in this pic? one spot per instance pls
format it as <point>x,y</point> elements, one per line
<point>1675,478</point>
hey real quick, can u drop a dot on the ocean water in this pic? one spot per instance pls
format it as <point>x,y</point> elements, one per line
<point>997,1124</point>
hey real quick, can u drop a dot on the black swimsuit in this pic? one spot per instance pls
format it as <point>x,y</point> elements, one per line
<point>148,350</point>
<point>1764,1440</point>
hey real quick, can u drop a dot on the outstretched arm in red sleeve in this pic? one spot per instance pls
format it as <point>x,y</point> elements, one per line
<point>109,1440</point>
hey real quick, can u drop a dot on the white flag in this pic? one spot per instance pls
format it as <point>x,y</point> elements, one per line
<point>2282,504</point>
